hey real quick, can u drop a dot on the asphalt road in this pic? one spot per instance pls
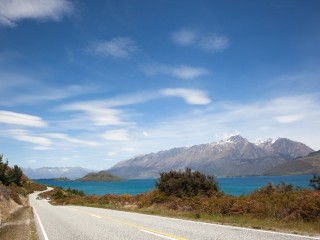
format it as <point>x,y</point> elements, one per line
<point>75,222</point>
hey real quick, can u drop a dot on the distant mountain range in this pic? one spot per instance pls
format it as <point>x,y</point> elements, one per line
<point>56,172</point>
<point>233,157</point>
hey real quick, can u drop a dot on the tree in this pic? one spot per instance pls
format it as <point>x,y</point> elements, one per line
<point>9,175</point>
<point>315,182</point>
<point>186,184</point>
<point>16,175</point>
<point>3,170</point>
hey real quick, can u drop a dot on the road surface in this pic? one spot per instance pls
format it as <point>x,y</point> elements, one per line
<point>75,222</point>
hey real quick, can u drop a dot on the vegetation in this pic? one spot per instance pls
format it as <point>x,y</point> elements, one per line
<point>99,176</point>
<point>9,175</point>
<point>315,182</point>
<point>186,184</point>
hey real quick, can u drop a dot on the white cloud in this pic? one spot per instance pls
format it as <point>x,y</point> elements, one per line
<point>21,119</point>
<point>288,118</point>
<point>33,91</point>
<point>145,133</point>
<point>116,135</point>
<point>96,112</point>
<point>120,47</point>
<point>182,72</point>
<point>206,42</point>
<point>41,148</point>
<point>185,37</point>
<point>214,43</point>
<point>12,11</point>
<point>128,149</point>
<point>26,136</point>
<point>112,154</point>
<point>69,139</point>
<point>191,96</point>
<point>32,161</point>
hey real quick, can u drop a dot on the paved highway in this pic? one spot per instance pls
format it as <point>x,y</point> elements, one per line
<point>75,222</point>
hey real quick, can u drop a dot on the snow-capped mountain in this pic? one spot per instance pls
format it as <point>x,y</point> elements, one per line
<point>234,157</point>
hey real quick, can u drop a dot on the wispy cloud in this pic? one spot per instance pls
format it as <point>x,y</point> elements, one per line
<point>33,91</point>
<point>288,118</point>
<point>27,136</point>
<point>206,42</point>
<point>96,113</point>
<point>13,11</point>
<point>185,37</point>
<point>69,139</point>
<point>120,47</point>
<point>191,96</point>
<point>14,118</point>
<point>182,72</point>
<point>116,135</point>
<point>214,43</point>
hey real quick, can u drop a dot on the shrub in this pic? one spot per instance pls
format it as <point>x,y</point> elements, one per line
<point>186,184</point>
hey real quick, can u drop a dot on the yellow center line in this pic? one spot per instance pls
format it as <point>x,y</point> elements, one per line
<point>133,225</point>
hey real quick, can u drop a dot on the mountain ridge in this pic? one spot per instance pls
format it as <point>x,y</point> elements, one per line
<point>234,157</point>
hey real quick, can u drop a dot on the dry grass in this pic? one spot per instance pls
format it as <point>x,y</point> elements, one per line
<point>19,226</point>
<point>16,215</point>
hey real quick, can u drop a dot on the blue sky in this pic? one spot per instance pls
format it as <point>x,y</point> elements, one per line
<point>90,83</point>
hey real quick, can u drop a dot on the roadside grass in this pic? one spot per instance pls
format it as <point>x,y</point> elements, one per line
<point>17,215</point>
<point>19,226</point>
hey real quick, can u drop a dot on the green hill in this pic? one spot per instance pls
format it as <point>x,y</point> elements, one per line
<point>99,176</point>
<point>309,164</point>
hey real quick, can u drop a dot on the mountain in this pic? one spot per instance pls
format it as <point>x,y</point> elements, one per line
<point>234,157</point>
<point>56,172</point>
<point>99,176</point>
<point>309,164</point>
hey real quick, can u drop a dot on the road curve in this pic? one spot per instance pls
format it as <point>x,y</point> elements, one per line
<point>75,222</point>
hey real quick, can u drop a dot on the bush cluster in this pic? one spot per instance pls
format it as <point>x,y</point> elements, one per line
<point>186,184</point>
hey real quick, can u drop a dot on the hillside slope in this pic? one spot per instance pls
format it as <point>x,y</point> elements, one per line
<point>99,176</point>
<point>309,164</point>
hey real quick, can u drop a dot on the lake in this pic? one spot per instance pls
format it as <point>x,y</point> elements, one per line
<point>232,185</point>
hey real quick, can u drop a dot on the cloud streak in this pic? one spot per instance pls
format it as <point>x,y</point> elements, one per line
<point>206,42</point>
<point>191,96</point>
<point>182,72</point>
<point>116,135</point>
<point>69,139</point>
<point>15,10</point>
<point>185,37</point>
<point>120,47</point>
<point>14,118</point>
<point>25,136</point>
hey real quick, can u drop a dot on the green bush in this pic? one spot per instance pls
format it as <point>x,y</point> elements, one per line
<point>186,184</point>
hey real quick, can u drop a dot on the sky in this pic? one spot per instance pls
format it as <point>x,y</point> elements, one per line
<point>91,83</point>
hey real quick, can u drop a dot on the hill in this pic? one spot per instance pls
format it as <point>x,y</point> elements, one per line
<point>234,157</point>
<point>309,164</point>
<point>99,176</point>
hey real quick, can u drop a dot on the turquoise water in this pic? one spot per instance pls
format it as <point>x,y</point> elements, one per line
<point>234,186</point>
